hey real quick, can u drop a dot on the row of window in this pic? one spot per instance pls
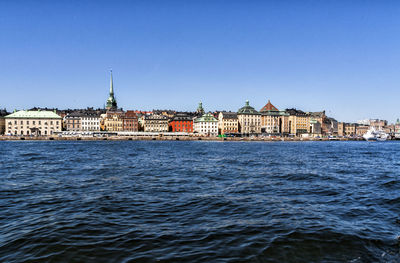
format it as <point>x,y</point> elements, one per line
<point>34,122</point>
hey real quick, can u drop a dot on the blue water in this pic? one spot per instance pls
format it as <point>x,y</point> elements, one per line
<point>158,201</point>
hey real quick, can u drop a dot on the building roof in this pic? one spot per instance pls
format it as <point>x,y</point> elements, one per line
<point>182,117</point>
<point>248,110</point>
<point>208,117</point>
<point>228,115</point>
<point>155,117</point>
<point>296,112</point>
<point>269,107</point>
<point>22,114</point>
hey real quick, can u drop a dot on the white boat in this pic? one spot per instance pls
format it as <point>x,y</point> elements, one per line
<point>375,135</point>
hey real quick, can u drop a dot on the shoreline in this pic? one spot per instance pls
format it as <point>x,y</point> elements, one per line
<point>169,138</point>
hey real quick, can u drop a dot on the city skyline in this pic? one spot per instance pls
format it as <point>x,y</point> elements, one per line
<point>340,57</point>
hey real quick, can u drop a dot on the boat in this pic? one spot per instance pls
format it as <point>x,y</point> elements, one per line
<point>375,135</point>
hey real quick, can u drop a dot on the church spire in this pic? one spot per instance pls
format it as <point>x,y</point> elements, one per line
<point>111,84</point>
<point>111,103</point>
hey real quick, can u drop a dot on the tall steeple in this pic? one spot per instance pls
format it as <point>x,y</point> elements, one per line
<point>111,84</point>
<point>111,103</point>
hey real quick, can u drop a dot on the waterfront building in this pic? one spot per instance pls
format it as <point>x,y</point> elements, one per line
<point>249,120</point>
<point>73,121</point>
<point>330,126</point>
<point>3,113</point>
<point>299,122</point>
<point>347,129</point>
<point>111,103</point>
<point>130,121</point>
<point>315,127</point>
<point>228,122</point>
<point>82,120</point>
<point>181,122</point>
<point>361,130</point>
<point>155,123</point>
<point>33,123</point>
<point>113,120</point>
<point>397,128</point>
<point>378,124</point>
<point>90,121</point>
<point>206,125</point>
<point>272,119</point>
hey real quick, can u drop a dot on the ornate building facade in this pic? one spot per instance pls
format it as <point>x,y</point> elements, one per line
<point>206,125</point>
<point>155,123</point>
<point>249,120</point>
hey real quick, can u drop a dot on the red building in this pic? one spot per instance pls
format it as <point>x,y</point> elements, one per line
<point>129,121</point>
<point>181,123</point>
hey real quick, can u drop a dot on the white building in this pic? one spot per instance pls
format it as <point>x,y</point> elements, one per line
<point>206,125</point>
<point>90,122</point>
<point>33,123</point>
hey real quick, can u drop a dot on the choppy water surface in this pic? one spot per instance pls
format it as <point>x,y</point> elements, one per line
<point>199,201</point>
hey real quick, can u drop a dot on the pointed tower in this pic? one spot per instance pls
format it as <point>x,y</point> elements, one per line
<point>200,110</point>
<point>111,103</point>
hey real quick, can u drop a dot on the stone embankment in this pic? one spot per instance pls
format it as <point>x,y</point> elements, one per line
<point>164,138</point>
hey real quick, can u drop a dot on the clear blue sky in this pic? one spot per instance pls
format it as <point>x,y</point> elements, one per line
<point>341,56</point>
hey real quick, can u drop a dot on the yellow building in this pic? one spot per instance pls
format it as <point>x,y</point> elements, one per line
<point>228,122</point>
<point>299,122</point>
<point>113,121</point>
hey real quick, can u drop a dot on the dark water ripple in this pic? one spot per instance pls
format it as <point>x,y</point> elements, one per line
<point>199,202</point>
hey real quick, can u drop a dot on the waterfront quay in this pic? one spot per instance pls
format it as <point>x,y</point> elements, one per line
<point>168,137</point>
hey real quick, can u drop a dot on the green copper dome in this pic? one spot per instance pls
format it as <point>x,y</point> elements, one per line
<point>247,109</point>
<point>206,118</point>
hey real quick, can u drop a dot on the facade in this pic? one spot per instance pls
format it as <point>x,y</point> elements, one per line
<point>397,128</point>
<point>299,122</point>
<point>249,120</point>
<point>113,120</point>
<point>378,124</point>
<point>347,129</point>
<point>361,130</point>
<point>33,123</point>
<point>82,121</point>
<point>111,103</point>
<point>90,122</point>
<point>3,113</point>
<point>155,123</point>
<point>181,122</point>
<point>315,127</point>
<point>272,119</point>
<point>130,121</point>
<point>73,121</point>
<point>330,126</point>
<point>228,122</point>
<point>206,125</point>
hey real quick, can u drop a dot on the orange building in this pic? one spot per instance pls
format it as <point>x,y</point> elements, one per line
<point>181,123</point>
